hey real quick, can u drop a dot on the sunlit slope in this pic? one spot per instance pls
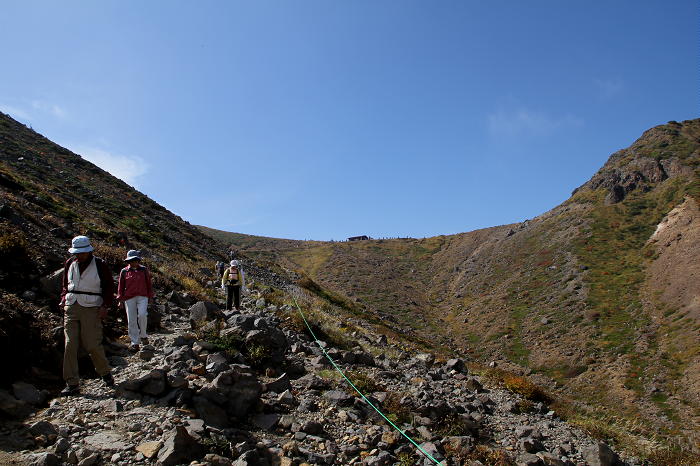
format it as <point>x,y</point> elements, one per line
<point>575,294</point>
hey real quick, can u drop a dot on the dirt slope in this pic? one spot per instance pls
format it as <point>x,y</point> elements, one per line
<point>573,296</point>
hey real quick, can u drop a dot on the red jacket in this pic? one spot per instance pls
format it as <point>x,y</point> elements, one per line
<point>134,282</point>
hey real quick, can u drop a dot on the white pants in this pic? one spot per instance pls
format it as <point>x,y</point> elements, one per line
<point>137,316</point>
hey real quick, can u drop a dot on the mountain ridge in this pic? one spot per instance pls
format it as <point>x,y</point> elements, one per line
<point>564,295</point>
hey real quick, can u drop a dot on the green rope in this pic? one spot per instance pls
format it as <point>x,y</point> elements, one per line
<point>358,391</point>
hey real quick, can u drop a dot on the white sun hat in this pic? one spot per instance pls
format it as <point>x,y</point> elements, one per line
<point>132,255</point>
<point>80,244</point>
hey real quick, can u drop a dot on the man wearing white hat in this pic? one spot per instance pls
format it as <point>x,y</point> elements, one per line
<point>88,292</point>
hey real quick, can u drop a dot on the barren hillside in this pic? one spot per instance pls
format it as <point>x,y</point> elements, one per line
<point>586,296</point>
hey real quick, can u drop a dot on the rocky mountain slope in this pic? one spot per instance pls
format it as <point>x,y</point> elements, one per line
<point>597,298</point>
<point>209,397</point>
<point>210,383</point>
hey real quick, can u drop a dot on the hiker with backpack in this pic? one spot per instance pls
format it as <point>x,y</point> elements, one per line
<point>86,295</point>
<point>232,281</point>
<point>134,289</point>
<point>220,267</point>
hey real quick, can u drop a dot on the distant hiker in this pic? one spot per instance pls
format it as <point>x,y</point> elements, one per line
<point>232,280</point>
<point>134,289</point>
<point>220,267</point>
<point>86,295</point>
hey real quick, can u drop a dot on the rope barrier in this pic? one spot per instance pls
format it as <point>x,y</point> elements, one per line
<point>358,391</point>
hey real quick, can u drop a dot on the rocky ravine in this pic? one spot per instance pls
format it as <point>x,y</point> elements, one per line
<point>181,401</point>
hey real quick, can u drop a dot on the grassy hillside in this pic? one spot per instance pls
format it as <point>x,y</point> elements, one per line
<point>48,195</point>
<point>570,295</point>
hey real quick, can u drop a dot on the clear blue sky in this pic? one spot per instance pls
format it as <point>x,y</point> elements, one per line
<point>327,119</point>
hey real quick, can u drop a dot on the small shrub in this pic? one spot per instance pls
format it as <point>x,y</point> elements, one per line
<point>524,407</point>
<point>364,383</point>
<point>328,374</point>
<point>406,459</point>
<point>16,259</point>
<point>113,256</point>
<point>489,456</point>
<point>452,425</point>
<point>526,388</point>
<point>218,444</point>
<point>14,247</point>
<point>396,411</point>
<point>257,355</point>
<point>231,344</point>
<point>672,457</point>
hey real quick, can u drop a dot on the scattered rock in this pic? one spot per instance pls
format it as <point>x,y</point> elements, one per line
<point>599,454</point>
<point>106,441</point>
<point>179,447</point>
<point>203,311</point>
<point>149,449</point>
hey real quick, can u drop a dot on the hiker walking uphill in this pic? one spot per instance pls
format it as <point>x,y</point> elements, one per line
<point>134,289</point>
<point>219,268</point>
<point>86,295</point>
<point>233,280</point>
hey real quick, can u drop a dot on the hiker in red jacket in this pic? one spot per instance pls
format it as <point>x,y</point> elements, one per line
<point>134,289</point>
<point>86,295</point>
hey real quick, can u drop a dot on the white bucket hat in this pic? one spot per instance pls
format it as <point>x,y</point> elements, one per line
<point>132,255</point>
<point>80,244</point>
<point>234,262</point>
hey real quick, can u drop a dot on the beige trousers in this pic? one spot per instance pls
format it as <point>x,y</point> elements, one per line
<point>82,324</point>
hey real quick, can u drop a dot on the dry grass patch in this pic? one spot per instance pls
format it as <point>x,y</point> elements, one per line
<point>631,435</point>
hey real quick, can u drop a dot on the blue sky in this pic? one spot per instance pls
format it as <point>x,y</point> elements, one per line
<point>328,119</point>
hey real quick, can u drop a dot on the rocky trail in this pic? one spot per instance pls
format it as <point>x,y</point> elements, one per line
<point>190,397</point>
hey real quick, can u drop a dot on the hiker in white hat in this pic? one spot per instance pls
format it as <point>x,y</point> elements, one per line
<point>86,295</point>
<point>134,289</point>
<point>232,281</point>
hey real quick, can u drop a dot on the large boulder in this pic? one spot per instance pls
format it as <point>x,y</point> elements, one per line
<point>179,299</point>
<point>51,284</point>
<point>422,359</point>
<point>43,459</point>
<point>212,414</point>
<point>155,315</point>
<point>12,407</point>
<point>153,383</point>
<point>203,311</point>
<point>28,393</point>
<point>271,338</point>
<point>339,398</point>
<point>279,385</point>
<point>244,322</point>
<point>456,365</point>
<point>600,454</point>
<point>180,447</point>
<point>238,394</point>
